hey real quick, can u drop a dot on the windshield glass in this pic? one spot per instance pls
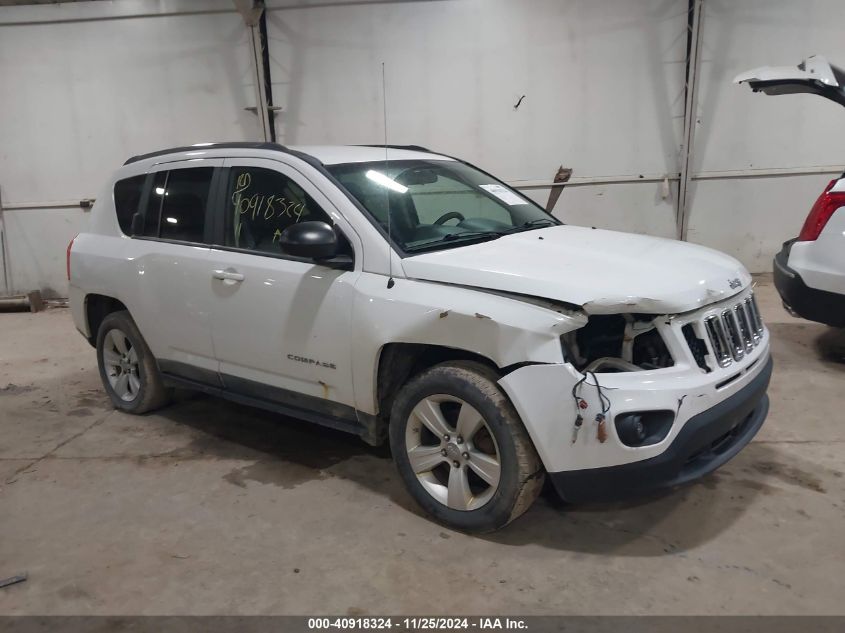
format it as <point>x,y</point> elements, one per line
<point>436,204</point>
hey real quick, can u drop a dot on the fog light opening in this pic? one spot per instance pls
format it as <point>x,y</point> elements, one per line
<point>643,428</point>
<point>631,429</point>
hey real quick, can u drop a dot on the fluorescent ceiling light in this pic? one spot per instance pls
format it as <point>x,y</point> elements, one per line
<point>385,181</point>
<point>160,191</point>
<point>172,220</point>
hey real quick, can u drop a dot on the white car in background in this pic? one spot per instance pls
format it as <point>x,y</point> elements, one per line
<point>809,271</point>
<point>408,296</point>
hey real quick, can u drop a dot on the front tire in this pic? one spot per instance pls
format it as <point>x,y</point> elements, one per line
<point>461,449</point>
<point>127,367</point>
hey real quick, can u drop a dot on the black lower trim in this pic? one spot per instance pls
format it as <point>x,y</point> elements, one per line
<point>809,303</point>
<point>706,442</point>
<point>172,368</point>
<point>316,410</point>
<point>300,405</point>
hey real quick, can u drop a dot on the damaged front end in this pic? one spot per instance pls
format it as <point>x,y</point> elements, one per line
<point>632,381</point>
<point>718,336</point>
<point>617,343</point>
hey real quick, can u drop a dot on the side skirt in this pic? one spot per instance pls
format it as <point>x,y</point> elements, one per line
<point>315,416</point>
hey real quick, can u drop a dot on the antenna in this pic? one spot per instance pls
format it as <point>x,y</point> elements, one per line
<point>390,280</point>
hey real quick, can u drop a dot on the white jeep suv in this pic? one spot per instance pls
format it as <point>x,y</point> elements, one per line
<point>401,294</point>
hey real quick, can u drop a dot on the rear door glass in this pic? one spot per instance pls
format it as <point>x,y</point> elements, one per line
<point>177,205</point>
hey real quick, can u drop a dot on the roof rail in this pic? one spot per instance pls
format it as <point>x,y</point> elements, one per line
<point>415,148</point>
<point>238,145</point>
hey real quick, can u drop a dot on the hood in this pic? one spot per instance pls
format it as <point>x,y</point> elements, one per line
<point>604,272</point>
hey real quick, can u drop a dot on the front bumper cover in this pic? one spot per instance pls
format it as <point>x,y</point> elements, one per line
<point>706,442</point>
<point>809,303</point>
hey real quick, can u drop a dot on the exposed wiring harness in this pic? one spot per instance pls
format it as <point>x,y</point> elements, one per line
<point>614,363</point>
<point>581,403</point>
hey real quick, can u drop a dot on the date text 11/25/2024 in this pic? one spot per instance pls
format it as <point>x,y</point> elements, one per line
<point>418,623</point>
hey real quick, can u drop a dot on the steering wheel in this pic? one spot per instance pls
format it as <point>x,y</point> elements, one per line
<point>451,215</point>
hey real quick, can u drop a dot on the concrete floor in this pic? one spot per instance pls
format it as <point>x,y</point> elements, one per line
<point>210,508</point>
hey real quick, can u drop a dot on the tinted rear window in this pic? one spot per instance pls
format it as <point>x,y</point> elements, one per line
<point>127,197</point>
<point>176,209</point>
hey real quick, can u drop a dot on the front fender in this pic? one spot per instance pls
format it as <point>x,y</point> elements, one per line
<point>504,329</point>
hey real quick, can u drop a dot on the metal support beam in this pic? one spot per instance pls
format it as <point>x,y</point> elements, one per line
<point>252,12</point>
<point>4,258</point>
<point>690,112</point>
<point>265,121</point>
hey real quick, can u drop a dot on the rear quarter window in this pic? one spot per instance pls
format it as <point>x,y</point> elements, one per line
<point>127,197</point>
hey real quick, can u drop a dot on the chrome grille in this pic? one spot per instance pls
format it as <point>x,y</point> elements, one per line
<point>744,326</point>
<point>754,313</point>
<point>731,325</point>
<point>718,340</point>
<point>735,332</point>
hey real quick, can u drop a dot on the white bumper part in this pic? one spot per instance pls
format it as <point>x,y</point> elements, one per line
<point>821,263</point>
<point>542,395</point>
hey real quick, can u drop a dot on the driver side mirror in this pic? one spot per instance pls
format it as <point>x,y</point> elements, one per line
<point>314,240</point>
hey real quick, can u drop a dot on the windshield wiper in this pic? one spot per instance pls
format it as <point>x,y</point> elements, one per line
<point>531,224</point>
<point>456,236</point>
<point>452,237</point>
<point>481,235</point>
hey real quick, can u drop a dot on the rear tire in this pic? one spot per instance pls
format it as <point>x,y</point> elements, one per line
<point>477,483</point>
<point>127,367</point>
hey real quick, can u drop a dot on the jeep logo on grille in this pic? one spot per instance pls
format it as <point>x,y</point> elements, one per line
<point>734,283</point>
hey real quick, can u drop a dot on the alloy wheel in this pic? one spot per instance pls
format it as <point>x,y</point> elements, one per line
<point>120,360</point>
<point>453,452</point>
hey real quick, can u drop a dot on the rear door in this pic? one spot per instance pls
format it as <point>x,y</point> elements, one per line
<point>813,76</point>
<point>172,300</point>
<point>280,324</point>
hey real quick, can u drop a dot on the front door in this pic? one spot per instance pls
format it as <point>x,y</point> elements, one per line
<point>280,324</point>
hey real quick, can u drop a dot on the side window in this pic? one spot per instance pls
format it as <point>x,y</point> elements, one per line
<point>127,197</point>
<point>177,202</point>
<point>183,208</point>
<point>261,203</point>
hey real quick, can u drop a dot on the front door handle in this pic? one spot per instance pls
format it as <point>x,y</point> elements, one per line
<point>227,275</point>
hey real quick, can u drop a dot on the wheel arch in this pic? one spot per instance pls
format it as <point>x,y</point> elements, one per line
<point>97,308</point>
<point>449,322</point>
<point>397,363</point>
<point>506,453</point>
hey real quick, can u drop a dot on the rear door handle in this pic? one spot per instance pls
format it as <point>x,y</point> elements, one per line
<point>227,275</point>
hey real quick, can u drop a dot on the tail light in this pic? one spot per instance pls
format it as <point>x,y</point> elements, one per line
<point>825,206</point>
<point>69,246</point>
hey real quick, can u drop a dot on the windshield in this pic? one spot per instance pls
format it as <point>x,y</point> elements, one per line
<point>436,204</point>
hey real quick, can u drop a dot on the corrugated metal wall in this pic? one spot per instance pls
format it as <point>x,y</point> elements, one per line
<point>603,85</point>
<point>78,96</point>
